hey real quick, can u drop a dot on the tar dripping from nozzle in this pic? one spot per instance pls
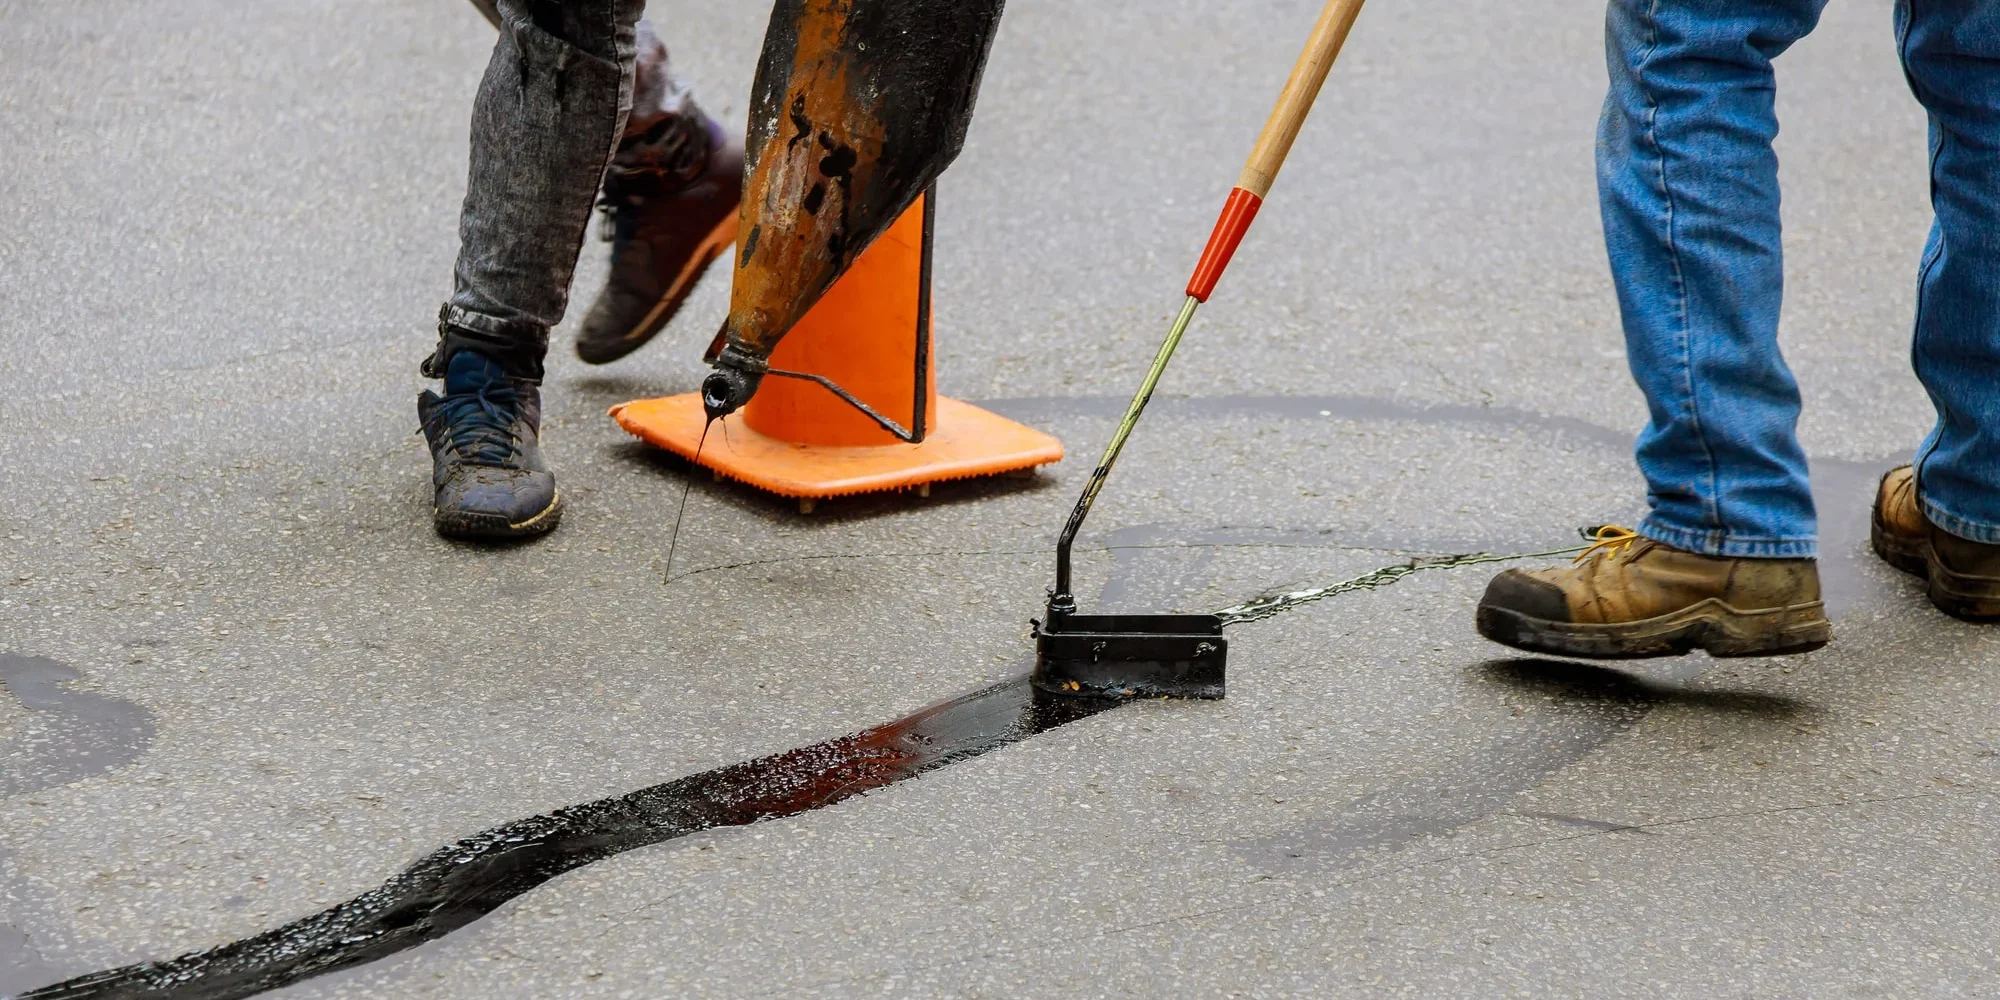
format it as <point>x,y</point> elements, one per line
<point>735,379</point>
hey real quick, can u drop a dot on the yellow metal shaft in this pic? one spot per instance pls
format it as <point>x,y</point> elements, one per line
<point>1125,425</point>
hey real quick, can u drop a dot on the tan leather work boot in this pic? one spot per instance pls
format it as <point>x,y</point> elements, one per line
<point>1962,578</point>
<point>1900,533</point>
<point>1629,596</point>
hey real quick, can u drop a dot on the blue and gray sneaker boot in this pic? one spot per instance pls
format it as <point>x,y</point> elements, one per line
<point>486,453</point>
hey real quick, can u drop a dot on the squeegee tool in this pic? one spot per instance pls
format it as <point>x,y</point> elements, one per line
<point>1176,656</point>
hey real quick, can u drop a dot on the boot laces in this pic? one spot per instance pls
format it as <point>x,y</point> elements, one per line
<point>1613,540</point>
<point>479,425</point>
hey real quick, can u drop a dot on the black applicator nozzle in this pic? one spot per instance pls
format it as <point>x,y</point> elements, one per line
<point>737,374</point>
<point>724,391</point>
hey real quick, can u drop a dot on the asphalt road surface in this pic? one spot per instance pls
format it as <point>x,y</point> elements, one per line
<point>244,681</point>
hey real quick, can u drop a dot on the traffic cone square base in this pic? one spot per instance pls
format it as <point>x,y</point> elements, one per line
<point>871,334</point>
<point>964,442</point>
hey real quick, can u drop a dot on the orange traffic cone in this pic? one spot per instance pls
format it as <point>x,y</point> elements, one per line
<point>870,335</point>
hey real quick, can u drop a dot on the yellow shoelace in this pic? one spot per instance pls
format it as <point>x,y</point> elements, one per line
<point>1610,538</point>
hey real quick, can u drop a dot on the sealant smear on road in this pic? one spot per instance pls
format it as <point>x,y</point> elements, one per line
<point>455,886</point>
<point>459,884</point>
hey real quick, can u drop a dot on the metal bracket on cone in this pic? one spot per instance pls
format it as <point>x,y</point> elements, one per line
<point>855,408</point>
<point>920,401</point>
<point>910,436</point>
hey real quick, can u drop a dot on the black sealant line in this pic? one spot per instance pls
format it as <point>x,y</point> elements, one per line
<point>453,887</point>
<point>459,884</point>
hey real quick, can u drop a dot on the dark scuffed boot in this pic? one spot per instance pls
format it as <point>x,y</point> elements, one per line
<point>1961,577</point>
<point>666,226</point>
<point>1631,597</point>
<point>486,454</point>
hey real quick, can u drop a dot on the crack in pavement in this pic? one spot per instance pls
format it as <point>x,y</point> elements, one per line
<point>1638,828</point>
<point>1651,828</point>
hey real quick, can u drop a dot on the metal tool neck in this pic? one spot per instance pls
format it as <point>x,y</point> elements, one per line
<point>1063,591</point>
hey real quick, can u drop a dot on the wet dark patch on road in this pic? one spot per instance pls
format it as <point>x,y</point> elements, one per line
<point>70,735</point>
<point>457,885</point>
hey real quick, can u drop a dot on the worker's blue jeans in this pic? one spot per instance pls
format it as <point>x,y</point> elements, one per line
<point>1688,186</point>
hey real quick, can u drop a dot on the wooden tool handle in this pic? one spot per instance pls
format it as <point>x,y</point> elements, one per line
<point>1268,156</point>
<point>1297,98</point>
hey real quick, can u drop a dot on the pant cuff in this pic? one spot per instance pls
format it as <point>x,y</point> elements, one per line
<point>1724,545</point>
<point>517,346</point>
<point>1971,531</point>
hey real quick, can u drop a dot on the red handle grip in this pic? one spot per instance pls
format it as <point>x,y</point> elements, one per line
<point>1237,214</point>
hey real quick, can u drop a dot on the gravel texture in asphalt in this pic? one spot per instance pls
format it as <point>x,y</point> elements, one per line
<point>243,680</point>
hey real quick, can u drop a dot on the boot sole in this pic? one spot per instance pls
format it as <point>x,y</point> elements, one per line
<point>600,352</point>
<point>477,527</point>
<point>1710,625</point>
<point>1967,598</point>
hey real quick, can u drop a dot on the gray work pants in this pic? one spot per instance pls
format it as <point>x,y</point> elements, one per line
<point>572,86</point>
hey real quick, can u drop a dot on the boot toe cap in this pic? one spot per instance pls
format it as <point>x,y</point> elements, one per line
<point>1524,594</point>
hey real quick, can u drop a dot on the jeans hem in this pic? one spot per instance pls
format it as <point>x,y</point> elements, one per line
<point>1952,524</point>
<point>481,324</point>
<point>517,345</point>
<point>1723,545</point>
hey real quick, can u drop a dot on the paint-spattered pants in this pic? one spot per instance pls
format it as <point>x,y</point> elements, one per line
<point>1689,191</point>
<point>574,86</point>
